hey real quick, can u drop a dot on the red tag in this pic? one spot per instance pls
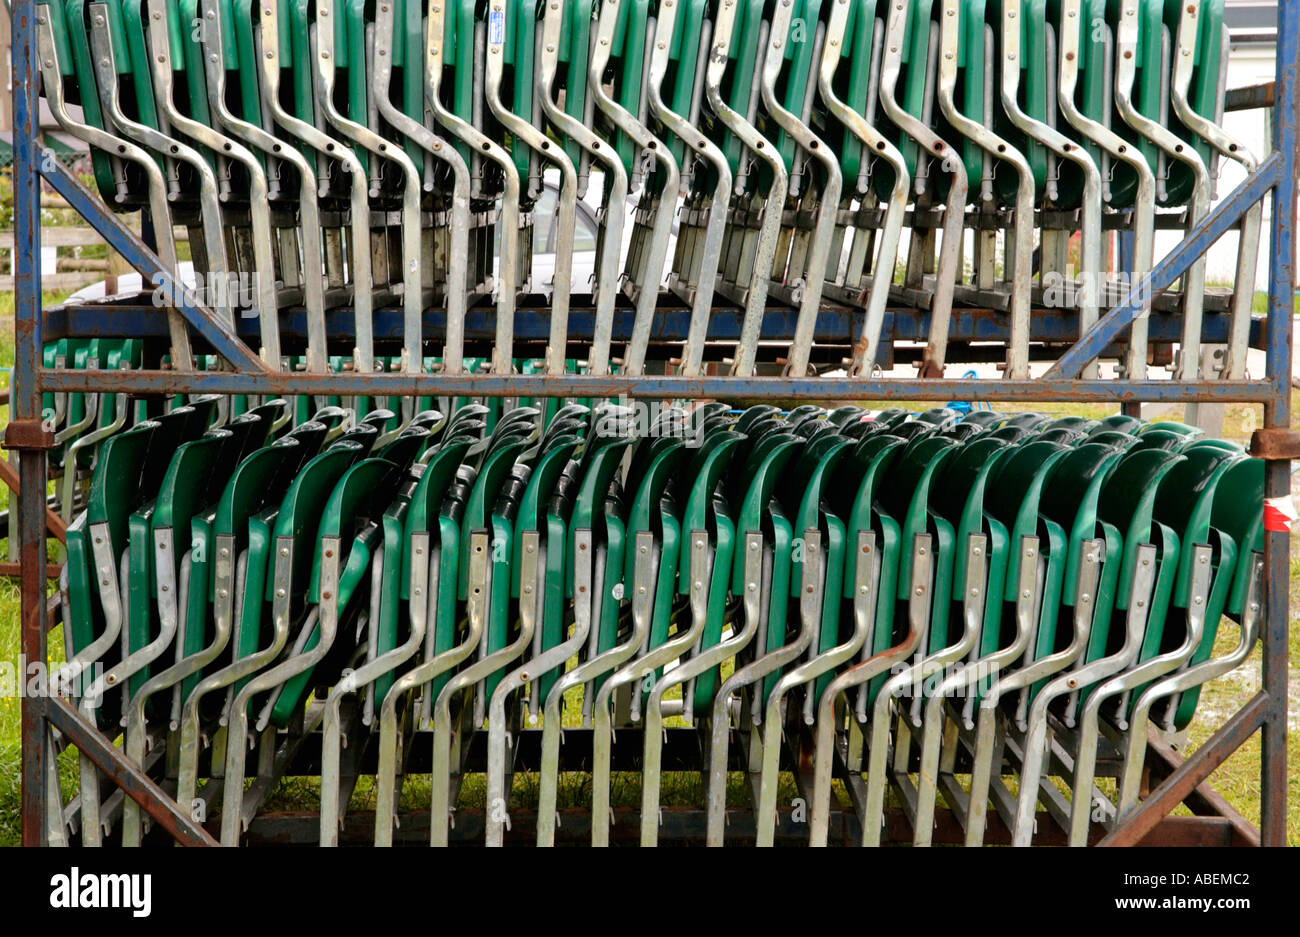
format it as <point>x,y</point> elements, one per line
<point>1279,514</point>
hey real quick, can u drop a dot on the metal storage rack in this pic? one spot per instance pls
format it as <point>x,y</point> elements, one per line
<point>1182,781</point>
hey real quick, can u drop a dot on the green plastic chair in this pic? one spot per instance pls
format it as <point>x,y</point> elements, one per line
<point>1233,515</point>
<point>96,543</point>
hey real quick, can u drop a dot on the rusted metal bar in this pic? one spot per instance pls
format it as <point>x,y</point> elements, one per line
<point>129,777</point>
<point>1133,829</point>
<point>1277,580</point>
<point>1204,800</point>
<point>53,523</point>
<point>52,570</point>
<point>1250,97</point>
<point>25,433</point>
<point>686,826</point>
<point>822,389</point>
<point>1274,443</point>
<point>25,405</point>
<point>1277,415</point>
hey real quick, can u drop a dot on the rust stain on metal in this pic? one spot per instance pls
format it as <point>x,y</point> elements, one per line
<point>1275,444</point>
<point>28,434</point>
<point>52,570</point>
<point>928,368</point>
<point>1135,826</point>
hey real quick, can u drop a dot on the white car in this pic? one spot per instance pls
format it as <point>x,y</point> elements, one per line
<point>129,284</point>
<point>586,230</point>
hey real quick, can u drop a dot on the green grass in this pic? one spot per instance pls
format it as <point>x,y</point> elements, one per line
<point>10,715</point>
<point>1259,304</point>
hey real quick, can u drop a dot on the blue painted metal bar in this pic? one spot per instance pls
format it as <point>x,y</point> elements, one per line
<point>127,243</point>
<point>1124,242</point>
<point>1225,216</point>
<point>25,399</point>
<point>25,408</point>
<point>1277,416</point>
<point>835,325</point>
<point>650,386</point>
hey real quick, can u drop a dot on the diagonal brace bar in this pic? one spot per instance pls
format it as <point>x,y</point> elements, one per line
<point>53,523</point>
<point>1217,223</point>
<point>1204,800</point>
<point>127,243</point>
<point>1130,829</point>
<point>134,783</point>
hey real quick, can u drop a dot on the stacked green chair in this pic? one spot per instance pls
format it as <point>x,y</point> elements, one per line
<point>620,117</point>
<point>595,543</point>
<point>853,593</point>
<point>982,548</point>
<point>1207,568</point>
<point>429,584</point>
<point>846,90</point>
<point>704,576</point>
<point>1148,568</point>
<point>753,225</point>
<point>1072,499</point>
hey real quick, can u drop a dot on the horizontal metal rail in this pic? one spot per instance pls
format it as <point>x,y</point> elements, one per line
<point>1251,97</point>
<point>833,330</point>
<point>684,826</point>
<point>650,387</point>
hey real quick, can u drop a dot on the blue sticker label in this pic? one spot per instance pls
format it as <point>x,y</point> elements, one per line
<point>496,27</point>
